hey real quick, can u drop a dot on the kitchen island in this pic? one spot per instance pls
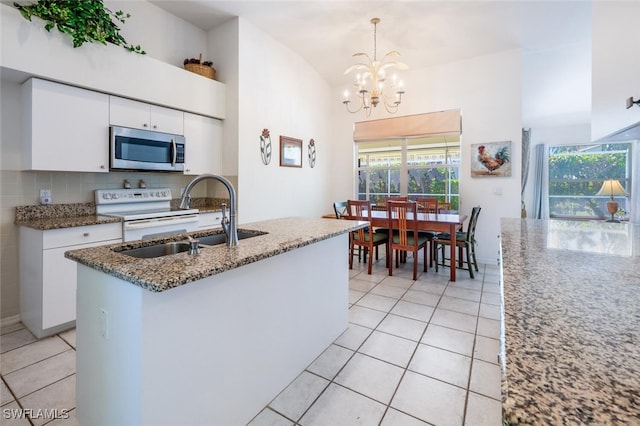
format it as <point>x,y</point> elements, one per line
<point>571,331</point>
<point>208,338</point>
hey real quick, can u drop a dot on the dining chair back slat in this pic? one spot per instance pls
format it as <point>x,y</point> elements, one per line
<point>427,204</point>
<point>405,238</point>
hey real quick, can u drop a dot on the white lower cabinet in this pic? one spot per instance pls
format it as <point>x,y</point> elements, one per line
<point>209,220</point>
<point>48,279</point>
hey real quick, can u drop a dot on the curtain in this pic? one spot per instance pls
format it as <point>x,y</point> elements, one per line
<point>539,188</point>
<point>526,158</point>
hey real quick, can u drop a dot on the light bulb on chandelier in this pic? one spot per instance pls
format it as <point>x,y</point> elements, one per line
<point>372,87</point>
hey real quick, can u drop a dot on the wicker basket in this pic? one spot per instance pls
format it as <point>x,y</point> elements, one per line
<point>203,70</point>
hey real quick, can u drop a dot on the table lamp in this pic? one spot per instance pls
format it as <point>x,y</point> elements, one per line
<point>612,187</point>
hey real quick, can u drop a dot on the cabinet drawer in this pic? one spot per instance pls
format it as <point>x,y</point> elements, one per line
<point>81,235</point>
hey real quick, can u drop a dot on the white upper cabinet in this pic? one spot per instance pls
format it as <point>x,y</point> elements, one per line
<point>65,128</point>
<point>139,115</point>
<point>203,144</point>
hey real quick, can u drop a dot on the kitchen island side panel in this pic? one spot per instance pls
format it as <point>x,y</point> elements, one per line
<point>223,347</point>
<point>108,351</point>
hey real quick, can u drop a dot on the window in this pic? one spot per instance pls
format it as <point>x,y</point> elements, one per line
<point>576,174</point>
<point>417,167</point>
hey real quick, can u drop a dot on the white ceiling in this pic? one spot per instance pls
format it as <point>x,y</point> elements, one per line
<point>556,87</point>
<point>326,33</point>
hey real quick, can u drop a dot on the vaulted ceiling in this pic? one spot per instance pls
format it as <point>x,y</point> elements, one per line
<point>327,33</point>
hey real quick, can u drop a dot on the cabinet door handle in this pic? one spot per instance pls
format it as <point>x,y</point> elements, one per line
<point>155,127</point>
<point>102,166</point>
<point>145,125</point>
<point>174,152</point>
<point>86,234</point>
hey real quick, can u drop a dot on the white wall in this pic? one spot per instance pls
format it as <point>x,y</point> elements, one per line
<point>487,90</point>
<point>162,35</point>
<point>616,66</point>
<point>279,91</point>
<point>223,42</point>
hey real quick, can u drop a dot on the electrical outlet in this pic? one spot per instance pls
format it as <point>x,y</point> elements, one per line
<point>45,196</point>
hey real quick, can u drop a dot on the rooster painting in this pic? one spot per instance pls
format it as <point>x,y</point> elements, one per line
<point>493,159</point>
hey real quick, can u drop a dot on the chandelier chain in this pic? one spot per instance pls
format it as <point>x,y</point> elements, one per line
<point>375,40</point>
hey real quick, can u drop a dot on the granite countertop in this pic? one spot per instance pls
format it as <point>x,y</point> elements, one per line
<point>571,351</point>
<point>166,272</point>
<point>56,216</point>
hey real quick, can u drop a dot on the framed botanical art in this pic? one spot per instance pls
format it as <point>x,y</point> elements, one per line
<point>491,159</point>
<point>290,152</point>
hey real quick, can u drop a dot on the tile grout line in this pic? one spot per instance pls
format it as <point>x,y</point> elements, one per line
<point>410,359</point>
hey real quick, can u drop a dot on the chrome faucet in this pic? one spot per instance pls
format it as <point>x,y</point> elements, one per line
<point>229,225</point>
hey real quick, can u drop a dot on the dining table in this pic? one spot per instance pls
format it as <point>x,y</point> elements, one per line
<point>436,222</point>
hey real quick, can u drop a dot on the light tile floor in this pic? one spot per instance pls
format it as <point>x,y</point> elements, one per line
<point>415,353</point>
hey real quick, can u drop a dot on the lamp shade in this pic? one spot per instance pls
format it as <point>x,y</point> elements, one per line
<point>611,187</point>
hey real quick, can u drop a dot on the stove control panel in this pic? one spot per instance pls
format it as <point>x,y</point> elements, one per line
<point>137,195</point>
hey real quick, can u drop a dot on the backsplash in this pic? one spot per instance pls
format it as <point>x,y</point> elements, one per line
<point>68,187</point>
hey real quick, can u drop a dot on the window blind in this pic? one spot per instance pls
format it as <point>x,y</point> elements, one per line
<point>435,123</point>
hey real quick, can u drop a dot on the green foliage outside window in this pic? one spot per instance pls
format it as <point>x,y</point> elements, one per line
<point>576,174</point>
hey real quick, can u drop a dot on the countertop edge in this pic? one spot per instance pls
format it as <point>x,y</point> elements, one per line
<point>283,235</point>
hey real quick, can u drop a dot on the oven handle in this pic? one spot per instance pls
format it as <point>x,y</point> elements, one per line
<point>174,152</point>
<point>150,223</point>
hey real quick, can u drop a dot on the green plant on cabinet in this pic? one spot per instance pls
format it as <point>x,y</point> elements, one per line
<point>85,21</point>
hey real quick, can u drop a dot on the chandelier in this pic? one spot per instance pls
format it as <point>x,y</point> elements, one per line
<point>371,82</point>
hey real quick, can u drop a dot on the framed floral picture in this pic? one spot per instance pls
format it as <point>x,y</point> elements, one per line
<point>290,152</point>
<point>491,159</point>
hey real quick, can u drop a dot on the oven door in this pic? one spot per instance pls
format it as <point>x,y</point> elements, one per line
<point>142,229</point>
<point>134,149</point>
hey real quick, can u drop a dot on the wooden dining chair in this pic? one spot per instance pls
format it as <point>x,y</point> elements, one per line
<point>428,205</point>
<point>341,209</point>
<point>364,237</point>
<point>465,241</point>
<point>405,237</point>
<point>444,206</point>
<point>384,204</point>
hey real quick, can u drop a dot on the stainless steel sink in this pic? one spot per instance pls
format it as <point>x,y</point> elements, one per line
<point>165,249</point>
<point>220,238</point>
<point>157,250</point>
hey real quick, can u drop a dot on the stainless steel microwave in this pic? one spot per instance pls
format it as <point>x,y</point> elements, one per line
<point>135,149</point>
